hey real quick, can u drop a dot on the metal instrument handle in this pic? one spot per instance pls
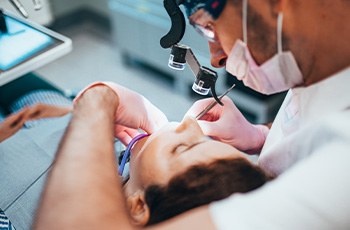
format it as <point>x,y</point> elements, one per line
<point>211,105</point>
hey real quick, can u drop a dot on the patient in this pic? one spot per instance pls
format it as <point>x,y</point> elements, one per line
<point>171,171</point>
<point>178,168</point>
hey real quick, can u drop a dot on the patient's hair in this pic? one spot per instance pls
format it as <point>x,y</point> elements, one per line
<point>200,185</point>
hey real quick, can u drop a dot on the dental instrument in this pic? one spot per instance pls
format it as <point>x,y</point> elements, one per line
<point>211,105</point>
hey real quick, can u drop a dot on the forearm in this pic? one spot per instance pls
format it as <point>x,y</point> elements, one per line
<point>83,189</point>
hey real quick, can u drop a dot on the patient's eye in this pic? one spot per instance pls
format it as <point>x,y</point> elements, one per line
<point>180,148</point>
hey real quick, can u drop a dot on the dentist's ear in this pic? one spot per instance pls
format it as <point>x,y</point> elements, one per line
<point>138,209</point>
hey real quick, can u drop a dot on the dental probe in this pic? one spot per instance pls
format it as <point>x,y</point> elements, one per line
<point>211,105</point>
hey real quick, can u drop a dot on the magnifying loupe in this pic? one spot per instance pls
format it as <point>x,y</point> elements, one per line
<point>177,59</point>
<point>204,81</point>
<point>181,55</point>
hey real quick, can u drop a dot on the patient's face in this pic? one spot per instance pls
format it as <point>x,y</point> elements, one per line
<point>172,150</point>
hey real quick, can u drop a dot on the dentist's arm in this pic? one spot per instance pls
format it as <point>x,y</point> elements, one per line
<point>83,188</point>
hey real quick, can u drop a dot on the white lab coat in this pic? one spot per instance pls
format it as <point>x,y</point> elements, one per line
<point>308,146</point>
<point>298,130</point>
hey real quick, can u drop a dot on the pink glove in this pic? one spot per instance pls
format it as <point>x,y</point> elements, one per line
<point>133,113</point>
<point>227,124</point>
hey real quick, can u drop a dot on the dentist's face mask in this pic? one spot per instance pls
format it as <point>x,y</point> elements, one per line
<point>277,74</point>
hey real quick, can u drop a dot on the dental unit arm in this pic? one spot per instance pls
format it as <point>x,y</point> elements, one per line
<point>182,54</point>
<point>19,7</point>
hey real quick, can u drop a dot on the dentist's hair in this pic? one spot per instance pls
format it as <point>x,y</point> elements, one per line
<point>201,185</point>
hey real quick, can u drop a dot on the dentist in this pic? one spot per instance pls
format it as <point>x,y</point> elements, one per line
<point>270,45</point>
<point>273,46</point>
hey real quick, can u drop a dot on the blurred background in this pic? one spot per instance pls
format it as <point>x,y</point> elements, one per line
<point>118,40</point>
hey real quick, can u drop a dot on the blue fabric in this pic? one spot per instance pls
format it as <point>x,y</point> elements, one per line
<point>5,223</point>
<point>213,7</point>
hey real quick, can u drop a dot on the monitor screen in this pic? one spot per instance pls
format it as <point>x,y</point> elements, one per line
<point>22,42</point>
<point>26,46</point>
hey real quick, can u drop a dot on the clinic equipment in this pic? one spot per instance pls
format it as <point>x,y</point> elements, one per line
<point>26,46</point>
<point>211,105</point>
<point>37,4</point>
<point>19,7</point>
<point>182,54</point>
<point>127,152</point>
<point>3,25</point>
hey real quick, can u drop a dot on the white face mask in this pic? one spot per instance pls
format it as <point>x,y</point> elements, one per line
<point>277,74</point>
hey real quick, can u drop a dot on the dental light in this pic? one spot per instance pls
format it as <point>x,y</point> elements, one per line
<point>205,78</point>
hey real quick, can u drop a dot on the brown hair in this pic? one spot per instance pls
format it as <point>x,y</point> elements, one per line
<point>200,185</point>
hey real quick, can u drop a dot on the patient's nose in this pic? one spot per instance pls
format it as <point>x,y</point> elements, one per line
<point>189,125</point>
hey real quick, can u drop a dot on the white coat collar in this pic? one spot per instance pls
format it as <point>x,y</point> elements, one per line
<point>321,99</point>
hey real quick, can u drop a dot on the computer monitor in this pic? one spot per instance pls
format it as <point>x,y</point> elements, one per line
<point>26,46</point>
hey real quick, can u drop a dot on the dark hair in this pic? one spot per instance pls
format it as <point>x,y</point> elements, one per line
<point>200,185</point>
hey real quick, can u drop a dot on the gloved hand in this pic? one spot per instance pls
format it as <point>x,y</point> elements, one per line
<point>227,124</point>
<point>133,113</point>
